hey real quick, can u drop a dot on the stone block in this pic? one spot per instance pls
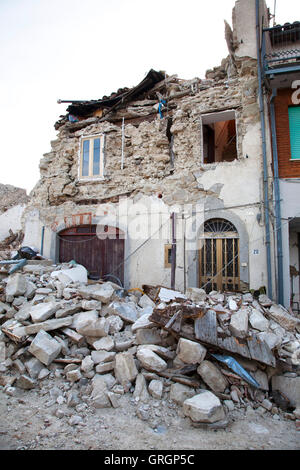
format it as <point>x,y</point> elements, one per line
<point>156,388</point>
<point>107,343</point>
<point>258,321</point>
<point>104,367</point>
<point>140,392</point>
<point>195,294</point>
<point>126,310</point>
<point>89,324</point>
<point>102,356</point>
<point>43,311</point>
<point>99,396</point>
<point>16,285</point>
<point>148,336</point>
<point>179,393</point>
<point>289,387</point>
<point>125,368</point>
<point>25,382</point>
<point>34,367</point>
<point>212,376</point>
<point>150,360</point>
<point>204,408</point>
<point>239,324</point>
<point>44,348</point>
<point>281,316</point>
<point>190,352</point>
<point>145,301</point>
<point>143,322</point>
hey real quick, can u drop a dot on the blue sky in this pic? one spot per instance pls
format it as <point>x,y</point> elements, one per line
<point>84,49</point>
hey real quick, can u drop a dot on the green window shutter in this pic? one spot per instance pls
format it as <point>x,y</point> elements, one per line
<point>294,120</point>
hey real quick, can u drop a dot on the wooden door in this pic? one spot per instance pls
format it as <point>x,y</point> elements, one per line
<point>103,257</point>
<point>219,258</point>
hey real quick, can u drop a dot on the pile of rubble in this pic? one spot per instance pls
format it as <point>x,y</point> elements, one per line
<point>11,243</point>
<point>208,353</point>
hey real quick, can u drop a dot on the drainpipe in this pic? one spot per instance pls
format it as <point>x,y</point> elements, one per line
<point>173,252</point>
<point>280,294</point>
<point>265,167</point>
<point>42,240</point>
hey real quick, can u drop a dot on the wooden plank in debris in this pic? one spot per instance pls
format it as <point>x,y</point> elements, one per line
<point>73,335</point>
<point>206,328</point>
<point>231,344</point>
<point>184,380</point>
<point>68,361</point>
<point>260,351</point>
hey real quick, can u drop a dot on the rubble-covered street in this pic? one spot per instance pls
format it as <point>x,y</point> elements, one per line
<point>89,365</point>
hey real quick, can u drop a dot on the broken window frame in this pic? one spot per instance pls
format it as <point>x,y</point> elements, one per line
<point>91,139</point>
<point>213,117</point>
<point>168,250</point>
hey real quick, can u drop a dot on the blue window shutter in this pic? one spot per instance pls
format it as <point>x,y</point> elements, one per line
<point>294,120</point>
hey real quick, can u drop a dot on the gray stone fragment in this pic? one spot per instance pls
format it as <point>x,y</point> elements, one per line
<point>140,392</point>
<point>190,352</point>
<point>179,393</point>
<point>204,407</point>
<point>156,389</point>
<point>150,360</point>
<point>25,382</point>
<point>212,376</point>
<point>44,348</point>
<point>258,321</point>
<point>103,356</point>
<point>43,311</point>
<point>16,285</point>
<point>126,310</point>
<point>34,367</point>
<point>239,324</point>
<point>148,336</point>
<point>99,395</point>
<point>289,387</point>
<point>125,368</point>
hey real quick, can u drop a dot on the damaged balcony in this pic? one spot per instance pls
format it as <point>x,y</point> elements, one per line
<point>280,52</point>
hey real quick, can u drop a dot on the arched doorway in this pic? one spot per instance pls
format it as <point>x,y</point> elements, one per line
<point>100,249</point>
<point>219,256</point>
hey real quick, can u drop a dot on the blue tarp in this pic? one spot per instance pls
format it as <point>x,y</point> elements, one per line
<point>236,367</point>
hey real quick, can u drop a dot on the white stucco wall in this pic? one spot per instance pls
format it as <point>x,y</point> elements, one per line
<point>11,219</point>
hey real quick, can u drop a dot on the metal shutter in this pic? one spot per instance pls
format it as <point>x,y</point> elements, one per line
<point>294,121</point>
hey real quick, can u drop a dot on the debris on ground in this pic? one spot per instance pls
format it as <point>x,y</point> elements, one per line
<point>209,354</point>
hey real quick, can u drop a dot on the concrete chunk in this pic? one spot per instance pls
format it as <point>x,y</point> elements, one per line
<point>239,324</point>
<point>258,321</point>
<point>156,389</point>
<point>282,317</point>
<point>179,393</point>
<point>43,311</point>
<point>47,325</point>
<point>150,360</point>
<point>204,408</point>
<point>44,348</point>
<point>16,285</point>
<point>212,376</point>
<point>89,324</point>
<point>190,352</point>
<point>125,368</point>
<point>126,310</point>
<point>99,395</point>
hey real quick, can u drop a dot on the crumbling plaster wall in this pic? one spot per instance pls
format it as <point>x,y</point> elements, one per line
<point>154,167</point>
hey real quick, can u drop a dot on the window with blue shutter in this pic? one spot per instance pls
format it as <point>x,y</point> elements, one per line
<point>294,121</point>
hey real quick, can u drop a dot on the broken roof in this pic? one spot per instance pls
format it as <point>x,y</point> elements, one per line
<point>122,96</point>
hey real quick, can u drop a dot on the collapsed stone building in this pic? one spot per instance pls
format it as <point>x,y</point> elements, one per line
<point>164,184</point>
<point>122,165</point>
